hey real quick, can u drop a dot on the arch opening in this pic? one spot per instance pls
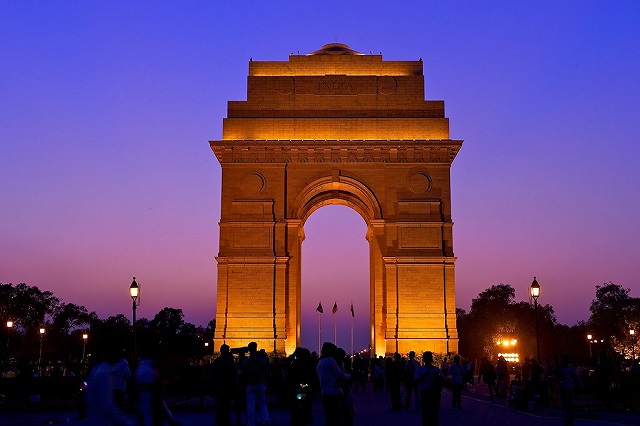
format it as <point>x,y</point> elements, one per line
<point>335,269</point>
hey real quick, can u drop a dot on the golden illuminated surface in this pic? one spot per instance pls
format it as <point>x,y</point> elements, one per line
<point>336,127</point>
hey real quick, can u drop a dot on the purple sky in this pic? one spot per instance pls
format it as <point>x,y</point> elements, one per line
<point>106,110</point>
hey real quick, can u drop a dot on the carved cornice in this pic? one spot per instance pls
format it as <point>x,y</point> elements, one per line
<point>316,151</point>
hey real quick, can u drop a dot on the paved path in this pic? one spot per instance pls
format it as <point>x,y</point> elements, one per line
<point>372,409</point>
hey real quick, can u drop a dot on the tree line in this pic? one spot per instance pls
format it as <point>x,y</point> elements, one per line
<point>494,317</point>
<point>29,309</point>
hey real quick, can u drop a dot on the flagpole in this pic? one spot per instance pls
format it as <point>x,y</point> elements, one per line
<point>335,323</point>
<point>319,330</point>
<point>352,335</point>
<point>352,316</point>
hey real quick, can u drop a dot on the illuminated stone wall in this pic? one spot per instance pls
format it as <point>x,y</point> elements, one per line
<point>336,127</point>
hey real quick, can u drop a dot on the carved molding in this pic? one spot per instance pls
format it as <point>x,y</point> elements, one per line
<point>409,151</point>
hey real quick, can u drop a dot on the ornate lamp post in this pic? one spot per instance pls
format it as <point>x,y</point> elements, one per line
<point>9,328</point>
<point>85,336</point>
<point>535,293</point>
<point>134,292</point>
<point>42,330</point>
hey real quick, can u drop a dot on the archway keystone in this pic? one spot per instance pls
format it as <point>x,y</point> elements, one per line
<point>336,127</point>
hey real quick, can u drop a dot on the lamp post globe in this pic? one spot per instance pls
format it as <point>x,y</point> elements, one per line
<point>134,292</point>
<point>9,328</point>
<point>535,289</point>
<point>535,293</point>
<point>85,336</point>
<point>42,330</point>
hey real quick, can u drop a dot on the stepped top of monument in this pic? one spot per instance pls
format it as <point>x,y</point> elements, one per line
<point>334,58</point>
<point>335,49</point>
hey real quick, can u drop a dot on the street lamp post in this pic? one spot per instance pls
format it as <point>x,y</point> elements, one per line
<point>535,293</point>
<point>134,292</point>
<point>632,332</point>
<point>589,337</point>
<point>42,330</point>
<point>9,328</point>
<point>85,336</point>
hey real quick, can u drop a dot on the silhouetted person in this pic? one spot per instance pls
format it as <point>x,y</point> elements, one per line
<point>410,368</point>
<point>152,410</point>
<point>255,369</point>
<point>604,378</point>
<point>395,373</point>
<point>330,376</point>
<point>568,383</point>
<point>302,377</point>
<point>537,379</point>
<point>526,370</point>
<point>122,375</point>
<point>502,374</point>
<point>488,373</point>
<point>429,380</point>
<point>224,385</point>
<point>348,407</point>
<point>102,409</point>
<point>240,395</point>
<point>470,370</point>
<point>444,366</point>
<point>456,371</point>
<point>359,372</point>
<point>377,373</point>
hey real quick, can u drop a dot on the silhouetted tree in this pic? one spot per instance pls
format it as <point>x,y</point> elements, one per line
<point>27,306</point>
<point>495,316</point>
<point>613,314</point>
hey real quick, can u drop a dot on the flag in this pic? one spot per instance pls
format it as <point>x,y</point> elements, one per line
<point>352,313</point>
<point>319,308</point>
<point>335,308</point>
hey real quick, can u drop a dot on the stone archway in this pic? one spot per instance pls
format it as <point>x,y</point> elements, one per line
<point>336,127</point>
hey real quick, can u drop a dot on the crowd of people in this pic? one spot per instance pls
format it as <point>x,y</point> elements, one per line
<point>242,379</point>
<point>108,384</point>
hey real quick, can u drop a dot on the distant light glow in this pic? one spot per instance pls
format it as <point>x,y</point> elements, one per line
<point>510,356</point>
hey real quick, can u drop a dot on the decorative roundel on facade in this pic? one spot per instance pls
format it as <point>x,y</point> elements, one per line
<point>285,85</point>
<point>419,183</point>
<point>387,85</point>
<point>254,182</point>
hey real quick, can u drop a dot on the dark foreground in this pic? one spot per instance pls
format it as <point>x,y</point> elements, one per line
<point>373,409</point>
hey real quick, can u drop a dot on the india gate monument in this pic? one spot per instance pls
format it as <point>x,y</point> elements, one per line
<point>336,127</point>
